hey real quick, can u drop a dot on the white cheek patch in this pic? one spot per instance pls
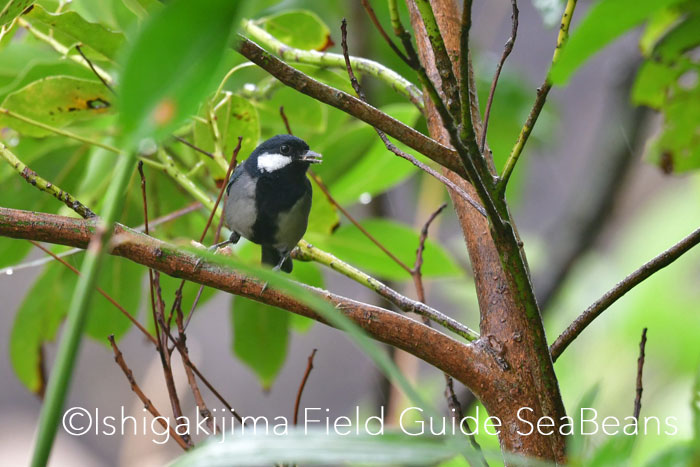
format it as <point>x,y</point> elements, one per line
<point>272,162</point>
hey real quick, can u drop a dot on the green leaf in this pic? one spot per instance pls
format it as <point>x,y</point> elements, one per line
<point>306,115</point>
<point>679,454</point>
<point>52,159</point>
<point>38,69</point>
<point>171,66</point>
<point>70,28</point>
<point>300,29</point>
<point>379,169</point>
<point>142,8</point>
<point>307,273</point>
<point>653,80</point>
<point>11,9</point>
<point>235,117</point>
<point>656,27</point>
<point>323,218</point>
<point>352,246</point>
<point>46,304</point>
<point>260,334</point>
<point>616,450</point>
<point>677,148</point>
<point>57,101</point>
<point>122,280</point>
<point>37,321</point>
<point>318,448</point>
<point>682,38</point>
<point>605,21</point>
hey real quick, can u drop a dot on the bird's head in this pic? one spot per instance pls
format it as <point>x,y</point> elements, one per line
<point>283,152</point>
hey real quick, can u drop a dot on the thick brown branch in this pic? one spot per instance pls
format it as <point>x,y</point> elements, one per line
<point>463,361</point>
<point>351,105</point>
<point>627,284</point>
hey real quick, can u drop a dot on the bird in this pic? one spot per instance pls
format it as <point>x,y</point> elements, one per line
<point>268,199</point>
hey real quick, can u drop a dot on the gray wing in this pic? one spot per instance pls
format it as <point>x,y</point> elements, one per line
<point>234,176</point>
<point>240,213</point>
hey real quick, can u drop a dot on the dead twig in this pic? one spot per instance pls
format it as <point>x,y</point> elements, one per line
<point>158,311</point>
<point>507,49</point>
<point>229,171</point>
<point>309,367</point>
<point>640,368</point>
<point>148,405</point>
<point>389,145</point>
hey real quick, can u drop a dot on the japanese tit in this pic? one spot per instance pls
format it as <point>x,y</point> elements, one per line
<point>268,198</point>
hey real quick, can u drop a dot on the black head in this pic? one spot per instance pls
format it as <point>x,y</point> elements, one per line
<point>282,153</point>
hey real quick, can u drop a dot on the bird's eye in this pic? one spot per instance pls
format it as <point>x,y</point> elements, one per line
<point>284,149</point>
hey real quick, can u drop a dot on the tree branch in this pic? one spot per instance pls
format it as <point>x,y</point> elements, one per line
<point>465,362</point>
<point>35,180</point>
<point>351,105</point>
<point>148,405</point>
<point>311,253</point>
<point>624,286</point>
<point>507,49</point>
<point>640,369</point>
<point>542,92</point>
<point>327,59</point>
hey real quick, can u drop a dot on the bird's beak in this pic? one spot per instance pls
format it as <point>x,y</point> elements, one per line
<point>312,157</point>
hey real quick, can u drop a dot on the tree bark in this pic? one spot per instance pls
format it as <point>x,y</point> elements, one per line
<point>507,332</point>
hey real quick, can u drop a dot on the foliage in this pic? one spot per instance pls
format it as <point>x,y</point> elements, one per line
<point>667,80</point>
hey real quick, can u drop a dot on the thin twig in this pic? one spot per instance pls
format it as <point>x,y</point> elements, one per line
<point>356,223</point>
<point>542,92</point>
<point>389,145</point>
<point>229,171</point>
<point>382,32</point>
<point>37,181</point>
<point>158,310</point>
<point>309,367</point>
<point>624,286</point>
<point>148,405</point>
<point>198,149</point>
<point>285,120</point>
<point>416,271</point>
<point>507,49</point>
<point>93,69</point>
<point>640,369</point>
<point>309,252</point>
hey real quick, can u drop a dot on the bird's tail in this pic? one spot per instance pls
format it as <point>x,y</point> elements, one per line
<point>271,256</point>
